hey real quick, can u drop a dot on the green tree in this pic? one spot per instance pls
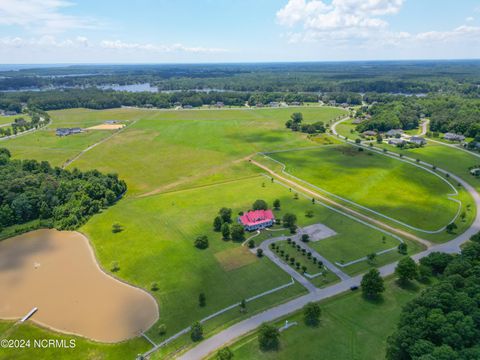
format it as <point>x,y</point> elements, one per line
<point>196,331</point>
<point>268,337</point>
<point>162,329</point>
<point>305,238</point>
<point>225,214</point>
<point>372,284</point>
<point>224,354</point>
<point>406,269</point>
<point>276,204</point>
<point>259,252</point>
<point>260,205</point>
<point>201,242</point>
<point>311,314</point>
<point>289,220</point>
<point>402,248</point>
<point>296,117</point>
<point>116,228</point>
<point>225,231</point>
<point>217,223</point>
<point>451,227</point>
<point>237,232</point>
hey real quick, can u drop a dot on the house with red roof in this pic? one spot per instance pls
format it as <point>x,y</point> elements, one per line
<point>257,219</point>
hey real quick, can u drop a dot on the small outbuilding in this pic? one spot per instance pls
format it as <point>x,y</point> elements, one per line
<point>418,140</point>
<point>453,137</point>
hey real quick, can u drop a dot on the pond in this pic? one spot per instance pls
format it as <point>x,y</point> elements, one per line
<point>56,272</point>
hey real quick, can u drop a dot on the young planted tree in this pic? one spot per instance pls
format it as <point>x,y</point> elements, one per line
<point>305,238</point>
<point>311,314</point>
<point>116,228</point>
<point>162,329</point>
<point>276,204</point>
<point>196,331</point>
<point>243,306</point>
<point>268,337</point>
<point>225,354</point>
<point>402,248</point>
<point>201,242</point>
<point>372,284</point>
<point>259,252</point>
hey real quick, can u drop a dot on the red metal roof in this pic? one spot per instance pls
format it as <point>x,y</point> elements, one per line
<point>256,217</point>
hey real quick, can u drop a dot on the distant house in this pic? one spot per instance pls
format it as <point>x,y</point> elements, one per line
<point>187,106</point>
<point>257,219</point>
<point>358,121</point>
<point>10,113</point>
<point>111,122</point>
<point>453,137</point>
<point>295,103</point>
<point>259,105</point>
<point>418,140</point>
<point>67,131</point>
<point>274,104</point>
<point>369,133</point>
<point>394,132</point>
<point>395,141</point>
<point>219,104</point>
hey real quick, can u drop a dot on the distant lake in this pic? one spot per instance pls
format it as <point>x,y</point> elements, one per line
<point>146,87</point>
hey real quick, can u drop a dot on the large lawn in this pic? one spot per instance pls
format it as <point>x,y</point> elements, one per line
<point>391,187</point>
<point>168,149</point>
<point>350,328</point>
<point>84,349</point>
<point>157,245</point>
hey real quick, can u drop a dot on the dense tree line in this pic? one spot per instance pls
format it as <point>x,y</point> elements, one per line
<point>382,77</point>
<point>94,98</point>
<point>444,321</point>
<point>401,114</point>
<point>32,190</point>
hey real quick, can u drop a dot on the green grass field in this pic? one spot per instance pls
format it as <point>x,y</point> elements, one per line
<point>391,187</point>
<point>157,245</point>
<point>350,328</point>
<point>84,349</point>
<point>168,149</point>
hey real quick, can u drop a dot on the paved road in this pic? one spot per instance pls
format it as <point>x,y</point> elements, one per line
<point>230,334</point>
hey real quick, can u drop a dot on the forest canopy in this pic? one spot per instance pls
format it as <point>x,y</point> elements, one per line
<point>32,190</point>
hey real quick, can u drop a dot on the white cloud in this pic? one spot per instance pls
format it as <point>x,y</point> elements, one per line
<point>470,19</point>
<point>121,45</point>
<point>357,23</point>
<point>338,19</point>
<point>41,16</point>
<point>47,42</point>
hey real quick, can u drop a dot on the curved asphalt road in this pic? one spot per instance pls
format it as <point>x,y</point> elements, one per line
<point>230,334</point>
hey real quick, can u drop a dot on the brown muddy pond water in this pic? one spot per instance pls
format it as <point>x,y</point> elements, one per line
<point>56,271</point>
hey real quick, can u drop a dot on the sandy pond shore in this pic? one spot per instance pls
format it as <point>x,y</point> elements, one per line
<point>56,271</point>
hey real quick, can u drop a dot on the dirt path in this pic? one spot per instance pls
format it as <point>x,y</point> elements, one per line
<point>69,162</point>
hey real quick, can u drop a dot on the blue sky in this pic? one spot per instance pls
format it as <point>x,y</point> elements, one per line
<point>106,31</point>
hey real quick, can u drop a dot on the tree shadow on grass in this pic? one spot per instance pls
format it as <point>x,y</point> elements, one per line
<point>375,300</point>
<point>408,285</point>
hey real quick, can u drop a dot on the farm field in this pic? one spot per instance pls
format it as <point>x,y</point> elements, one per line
<point>350,328</point>
<point>393,188</point>
<point>196,146</point>
<point>156,245</point>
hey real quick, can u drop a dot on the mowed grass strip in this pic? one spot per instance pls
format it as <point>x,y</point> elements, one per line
<point>391,187</point>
